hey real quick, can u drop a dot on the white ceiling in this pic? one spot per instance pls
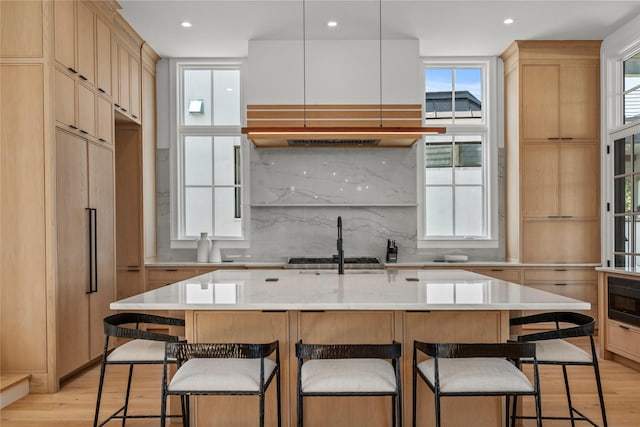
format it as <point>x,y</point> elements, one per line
<point>444,28</point>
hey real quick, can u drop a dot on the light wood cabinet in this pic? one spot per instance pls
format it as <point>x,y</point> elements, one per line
<point>552,116</point>
<point>503,273</point>
<point>623,339</point>
<point>75,104</point>
<point>244,327</point>
<point>56,97</point>
<point>572,282</point>
<point>559,100</point>
<point>149,146</point>
<point>75,38</point>
<point>103,56</point>
<point>85,240</point>
<point>126,77</point>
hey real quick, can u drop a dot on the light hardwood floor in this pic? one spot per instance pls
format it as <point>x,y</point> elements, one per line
<point>74,404</point>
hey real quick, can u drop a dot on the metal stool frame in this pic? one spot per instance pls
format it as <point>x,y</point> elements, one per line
<point>512,351</point>
<point>182,352</point>
<point>352,351</point>
<point>584,326</point>
<point>113,328</point>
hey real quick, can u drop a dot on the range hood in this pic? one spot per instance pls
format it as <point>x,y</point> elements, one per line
<point>336,125</point>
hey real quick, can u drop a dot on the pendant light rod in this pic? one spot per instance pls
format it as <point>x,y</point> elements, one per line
<point>380,54</point>
<point>304,63</point>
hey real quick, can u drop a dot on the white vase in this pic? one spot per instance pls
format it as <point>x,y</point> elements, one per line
<point>214,252</point>
<point>203,247</point>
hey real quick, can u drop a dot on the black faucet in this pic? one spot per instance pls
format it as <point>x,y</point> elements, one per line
<point>340,249</point>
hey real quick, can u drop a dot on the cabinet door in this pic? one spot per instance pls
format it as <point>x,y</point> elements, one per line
<point>103,56</point>
<point>72,226</point>
<point>561,241</point>
<point>448,327</point>
<point>123,78</point>
<point>579,101</point>
<point>539,101</point>
<point>149,161</point>
<point>64,33</point>
<point>245,327</point>
<point>65,100</point>
<point>102,198</point>
<point>134,87</point>
<point>86,110</point>
<point>539,180</point>
<point>105,120</point>
<point>579,179</point>
<point>129,200</point>
<point>86,43</point>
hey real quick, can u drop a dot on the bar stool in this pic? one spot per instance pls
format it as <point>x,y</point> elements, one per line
<point>552,349</point>
<point>475,370</point>
<point>221,369</point>
<point>350,370</point>
<point>145,348</point>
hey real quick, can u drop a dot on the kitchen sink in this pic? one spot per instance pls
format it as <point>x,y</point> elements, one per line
<point>315,263</point>
<point>327,271</point>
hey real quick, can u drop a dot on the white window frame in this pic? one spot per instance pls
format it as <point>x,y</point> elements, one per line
<point>490,131</point>
<point>621,47</point>
<point>178,131</point>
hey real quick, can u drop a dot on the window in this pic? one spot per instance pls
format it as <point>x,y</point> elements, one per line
<point>458,196</point>
<point>626,213</point>
<point>209,173</point>
<point>631,88</point>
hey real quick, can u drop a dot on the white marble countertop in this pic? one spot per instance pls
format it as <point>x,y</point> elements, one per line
<point>355,290</point>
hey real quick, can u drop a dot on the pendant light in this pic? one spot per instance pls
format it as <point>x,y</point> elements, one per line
<point>383,136</point>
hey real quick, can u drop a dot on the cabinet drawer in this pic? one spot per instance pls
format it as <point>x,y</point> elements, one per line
<point>510,275</point>
<point>170,274</point>
<point>561,241</point>
<point>560,274</point>
<point>582,291</point>
<point>624,340</point>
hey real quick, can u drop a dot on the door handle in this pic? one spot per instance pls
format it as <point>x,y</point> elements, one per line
<point>93,250</point>
<point>90,212</point>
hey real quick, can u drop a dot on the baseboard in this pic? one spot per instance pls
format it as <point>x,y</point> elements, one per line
<point>13,387</point>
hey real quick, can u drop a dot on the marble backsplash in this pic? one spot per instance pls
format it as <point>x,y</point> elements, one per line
<point>297,194</point>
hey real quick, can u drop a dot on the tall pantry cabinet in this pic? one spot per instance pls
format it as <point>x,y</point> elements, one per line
<point>57,179</point>
<point>552,133</point>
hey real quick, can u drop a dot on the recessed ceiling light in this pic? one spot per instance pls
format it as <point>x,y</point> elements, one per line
<point>508,21</point>
<point>332,24</point>
<point>186,24</point>
<point>229,89</point>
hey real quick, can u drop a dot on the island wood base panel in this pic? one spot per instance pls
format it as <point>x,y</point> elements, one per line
<point>363,327</point>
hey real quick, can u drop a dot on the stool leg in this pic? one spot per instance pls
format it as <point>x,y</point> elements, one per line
<point>262,409</point>
<point>100,385</point>
<point>514,411</point>
<point>506,409</point>
<point>414,398</point>
<point>599,385</point>
<point>393,411</point>
<point>568,391</point>
<point>126,399</point>
<point>300,415</point>
<point>437,397</point>
<point>278,399</point>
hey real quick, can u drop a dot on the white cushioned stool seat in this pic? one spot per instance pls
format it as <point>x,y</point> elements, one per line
<point>560,351</point>
<point>348,376</point>
<point>478,374</point>
<point>230,374</point>
<point>138,351</point>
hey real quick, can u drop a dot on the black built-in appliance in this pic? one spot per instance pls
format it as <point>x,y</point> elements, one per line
<point>624,300</point>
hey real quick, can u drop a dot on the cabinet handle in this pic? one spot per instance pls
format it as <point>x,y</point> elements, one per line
<point>566,139</point>
<point>101,90</point>
<point>554,139</point>
<point>116,104</point>
<point>171,269</point>
<point>626,328</point>
<point>554,216</point>
<point>82,77</point>
<point>560,284</point>
<point>133,270</point>
<point>123,109</point>
<point>560,269</point>
<point>566,216</point>
<point>134,116</point>
<point>73,127</point>
<point>84,131</point>
<point>497,269</point>
<point>93,250</point>
<point>102,140</point>
<point>72,70</point>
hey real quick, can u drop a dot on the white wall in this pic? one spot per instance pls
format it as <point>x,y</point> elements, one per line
<point>337,72</point>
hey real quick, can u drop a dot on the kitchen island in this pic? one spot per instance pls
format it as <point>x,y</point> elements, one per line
<point>361,306</point>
